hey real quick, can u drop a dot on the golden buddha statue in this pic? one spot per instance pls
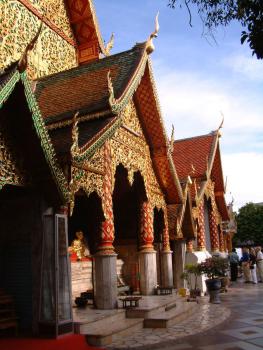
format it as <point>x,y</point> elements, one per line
<point>79,246</point>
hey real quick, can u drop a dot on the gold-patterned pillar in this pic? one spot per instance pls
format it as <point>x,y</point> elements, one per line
<point>221,240</point>
<point>107,226</point>
<point>146,231</point>
<point>105,258</point>
<point>166,238</point>
<point>213,231</point>
<point>147,254</point>
<point>201,227</point>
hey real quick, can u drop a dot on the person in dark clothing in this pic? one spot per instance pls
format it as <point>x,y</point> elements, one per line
<point>245,263</point>
<point>233,260</point>
<point>253,258</point>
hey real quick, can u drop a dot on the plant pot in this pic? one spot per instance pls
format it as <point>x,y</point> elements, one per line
<point>213,287</point>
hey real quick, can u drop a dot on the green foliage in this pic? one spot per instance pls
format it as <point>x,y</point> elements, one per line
<point>214,267</point>
<point>249,225</point>
<point>221,12</point>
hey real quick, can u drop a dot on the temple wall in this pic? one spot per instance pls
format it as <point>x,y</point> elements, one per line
<point>54,50</point>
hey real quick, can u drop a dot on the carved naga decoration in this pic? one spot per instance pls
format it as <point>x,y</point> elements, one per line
<point>75,136</point>
<point>22,63</point>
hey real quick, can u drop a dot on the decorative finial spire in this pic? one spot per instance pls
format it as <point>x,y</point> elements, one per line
<point>221,124</point>
<point>22,64</point>
<point>109,46</point>
<point>149,44</point>
<point>75,136</point>
<point>111,90</point>
<point>171,147</point>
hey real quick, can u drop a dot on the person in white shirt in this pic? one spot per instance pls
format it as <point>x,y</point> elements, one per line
<point>259,260</point>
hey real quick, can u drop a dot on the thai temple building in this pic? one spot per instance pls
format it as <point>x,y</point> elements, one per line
<point>93,194</point>
<point>199,157</point>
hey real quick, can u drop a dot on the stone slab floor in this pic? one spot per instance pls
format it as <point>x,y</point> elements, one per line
<point>235,324</point>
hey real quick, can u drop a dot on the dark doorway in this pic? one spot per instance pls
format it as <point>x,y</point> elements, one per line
<point>87,217</point>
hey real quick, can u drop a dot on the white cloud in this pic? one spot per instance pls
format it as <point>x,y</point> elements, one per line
<point>193,102</point>
<point>244,172</point>
<point>249,67</point>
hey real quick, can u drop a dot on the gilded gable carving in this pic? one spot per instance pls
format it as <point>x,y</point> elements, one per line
<point>130,149</point>
<point>89,177</point>
<point>10,166</point>
<point>55,11</point>
<point>51,53</point>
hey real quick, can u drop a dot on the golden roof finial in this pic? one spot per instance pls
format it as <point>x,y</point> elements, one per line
<point>22,63</point>
<point>149,43</point>
<point>221,124</point>
<point>109,46</point>
<point>75,136</point>
<point>111,90</point>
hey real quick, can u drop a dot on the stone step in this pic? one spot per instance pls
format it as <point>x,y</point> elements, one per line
<point>99,319</point>
<point>168,318</point>
<point>102,336</point>
<point>151,309</point>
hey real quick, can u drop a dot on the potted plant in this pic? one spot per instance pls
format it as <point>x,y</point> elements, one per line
<point>190,275</point>
<point>214,268</point>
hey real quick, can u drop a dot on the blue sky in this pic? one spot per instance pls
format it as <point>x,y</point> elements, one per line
<point>198,80</point>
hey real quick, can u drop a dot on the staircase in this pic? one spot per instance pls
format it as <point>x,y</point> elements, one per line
<point>153,312</point>
<point>8,317</point>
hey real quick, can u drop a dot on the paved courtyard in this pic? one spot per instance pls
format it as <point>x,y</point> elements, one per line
<point>235,324</point>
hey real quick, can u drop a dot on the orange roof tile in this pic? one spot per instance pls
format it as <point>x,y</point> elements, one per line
<point>192,153</point>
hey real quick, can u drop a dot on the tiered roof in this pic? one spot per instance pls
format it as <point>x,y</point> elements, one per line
<point>85,89</point>
<point>199,157</point>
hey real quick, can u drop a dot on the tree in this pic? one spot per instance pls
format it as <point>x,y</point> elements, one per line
<point>250,224</point>
<point>221,12</point>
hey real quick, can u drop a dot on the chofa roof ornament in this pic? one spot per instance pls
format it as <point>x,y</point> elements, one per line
<point>109,46</point>
<point>221,125</point>
<point>149,44</point>
<point>22,63</point>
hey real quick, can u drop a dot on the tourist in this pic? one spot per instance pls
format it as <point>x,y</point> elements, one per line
<point>259,258</point>
<point>233,260</point>
<point>246,265</point>
<point>252,263</point>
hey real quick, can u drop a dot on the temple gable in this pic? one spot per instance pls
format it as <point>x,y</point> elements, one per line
<point>55,48</point>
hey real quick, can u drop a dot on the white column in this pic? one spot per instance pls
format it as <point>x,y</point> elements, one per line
<point>105,281</point>
<point>148,272</point>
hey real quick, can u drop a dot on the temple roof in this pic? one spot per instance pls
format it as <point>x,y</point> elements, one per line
<point>85,89</point>
<point>199,157</point>
<point>191,155</point>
